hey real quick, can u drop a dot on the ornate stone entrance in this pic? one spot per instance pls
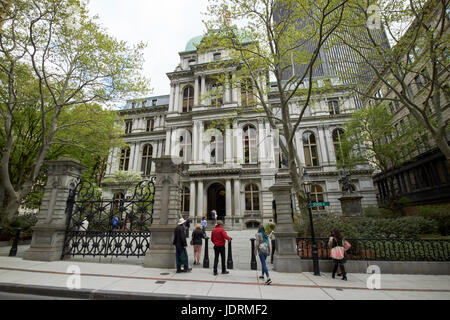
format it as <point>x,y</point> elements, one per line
<point>216,200</point>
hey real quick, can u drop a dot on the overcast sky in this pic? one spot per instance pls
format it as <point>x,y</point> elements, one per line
<point>164,25</point>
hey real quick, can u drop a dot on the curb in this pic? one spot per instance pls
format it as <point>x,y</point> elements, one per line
<point>97,294</point>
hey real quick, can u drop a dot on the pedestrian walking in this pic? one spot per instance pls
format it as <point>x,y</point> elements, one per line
<point>204,224</point>
<point>84,225</point>
<point>338,247</point>
<point>179,241</point>
<point>187,225</point>
<point>115,221</point>
<point>197,241</point>
<point>218,237</point>
<point>214,216</point>
<point>262,249</point>
<point>272,244</point>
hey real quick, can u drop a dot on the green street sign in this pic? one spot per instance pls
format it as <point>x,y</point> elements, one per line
<point>320,204</point>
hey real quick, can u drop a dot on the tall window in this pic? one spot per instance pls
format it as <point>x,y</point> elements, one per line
<point>185,199</point>
<point>118,200</point>
<point>146,166</point>
<point>310,149</point>
<point>250,145</point>
<point>216,148</point>
<point>247,92</point>
<point>124,161</point>
<point>216,95</point>
<point>149,125</point>
<point>317,196</point>
<point>251,197</point>
<point>188,98</point>
<point>128,126</point>
<point>337,142</point>
<point>185,146</point>
<point>333,106</point>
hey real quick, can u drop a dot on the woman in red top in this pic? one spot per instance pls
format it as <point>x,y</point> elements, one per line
<point>218,237</point>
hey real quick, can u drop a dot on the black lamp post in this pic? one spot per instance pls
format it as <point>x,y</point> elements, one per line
<point>307,187</point>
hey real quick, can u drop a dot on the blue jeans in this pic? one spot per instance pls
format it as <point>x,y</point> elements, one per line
<point>263,257</point>
<point>178,252</point>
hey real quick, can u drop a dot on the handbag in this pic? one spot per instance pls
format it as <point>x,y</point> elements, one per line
<point>338,252</point>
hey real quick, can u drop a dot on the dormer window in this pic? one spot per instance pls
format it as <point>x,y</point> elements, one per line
<point>154,101</point>
<point>216,56</point>
<point>191,61</point>
<point>144,102</point>
<point>133,104</point>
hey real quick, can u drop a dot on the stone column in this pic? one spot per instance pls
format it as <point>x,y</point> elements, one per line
<point>228,202</point>
<point>285,258</point>
<point>228,146</point>
<point>200,142</point>
<point>192,198</point>
<point>203,90</point>
<point>195,145</point>
<point>196,91</point>
<point>176,105</point>
<point>168,138</point>
<point>200,212</point>
<point>171,98</point>
<point>49,232</point>
<point>237,198</point>
<point>166,212</point>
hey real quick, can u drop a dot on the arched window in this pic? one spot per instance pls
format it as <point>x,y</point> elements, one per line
<point>188,98</point>
<point>337,142</point>
<point>250,145</point>
<point>310,149</point>
<point>251,197</point>
<point>185,146</point>
<point>247,92</point>
<point>185,200</point>
<point>124,160</point>
<point>146,166</point>
<point>317,196</point>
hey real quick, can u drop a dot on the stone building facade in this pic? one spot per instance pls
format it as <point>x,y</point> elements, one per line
<point>231,170</point>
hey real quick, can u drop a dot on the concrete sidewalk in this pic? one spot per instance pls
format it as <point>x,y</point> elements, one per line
<point>122,281</point>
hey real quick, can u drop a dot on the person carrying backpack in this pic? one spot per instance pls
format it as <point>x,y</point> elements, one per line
<point>262,249</point>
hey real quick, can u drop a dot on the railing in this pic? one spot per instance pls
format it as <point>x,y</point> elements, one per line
<point>382,249</point>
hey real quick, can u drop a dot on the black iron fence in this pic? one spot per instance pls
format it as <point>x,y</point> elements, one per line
<point>382,249</point>
<point>108,227</point>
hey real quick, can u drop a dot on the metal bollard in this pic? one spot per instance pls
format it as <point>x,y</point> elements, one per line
<point>253,265</point>
<point>205,257</point>
<point>13,251</point>
<point>230,257</point>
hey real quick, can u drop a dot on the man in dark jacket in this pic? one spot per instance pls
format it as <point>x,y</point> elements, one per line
<point>179,241</point>
<point>218,237</point>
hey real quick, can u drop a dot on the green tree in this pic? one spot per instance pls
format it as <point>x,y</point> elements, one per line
<point>413,71</point>
<point>54,61</point>
<point>370,137</point>
<point>264,49</point>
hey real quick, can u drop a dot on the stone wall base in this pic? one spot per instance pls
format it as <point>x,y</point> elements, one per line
<point>287,263</point>
<point>386,267</point>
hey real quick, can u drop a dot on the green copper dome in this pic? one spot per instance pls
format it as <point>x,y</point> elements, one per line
<point>193,43</point>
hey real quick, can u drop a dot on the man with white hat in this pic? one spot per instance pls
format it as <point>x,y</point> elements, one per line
<point>179,241</point>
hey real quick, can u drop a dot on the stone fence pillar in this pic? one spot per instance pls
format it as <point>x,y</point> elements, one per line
<point>48,233</point>
<point>166,212</point>
<point>286,258</point>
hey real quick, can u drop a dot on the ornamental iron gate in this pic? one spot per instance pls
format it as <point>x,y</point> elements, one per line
<point>105,227</point>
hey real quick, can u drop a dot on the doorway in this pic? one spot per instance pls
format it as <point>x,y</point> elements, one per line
<point>216,201</point>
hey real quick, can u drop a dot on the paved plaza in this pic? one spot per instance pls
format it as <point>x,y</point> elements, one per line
<point>127,278</point>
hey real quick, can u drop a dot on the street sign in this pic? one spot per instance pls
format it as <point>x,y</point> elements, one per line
<point>320,204</point>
